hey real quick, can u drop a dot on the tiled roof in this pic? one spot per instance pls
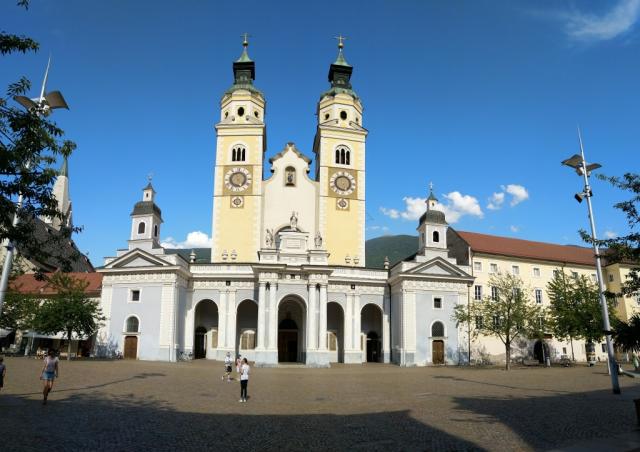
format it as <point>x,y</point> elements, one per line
<point>505,246</point>
<point>29,284</point>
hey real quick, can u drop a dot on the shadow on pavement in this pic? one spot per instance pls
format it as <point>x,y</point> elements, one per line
<point>86,422</point>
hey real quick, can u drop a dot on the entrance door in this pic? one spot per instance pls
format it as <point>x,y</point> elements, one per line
<point>200,343</point>
<point>131,347</point>
<point>438,352</point>
<point>373,347</point>
<point>288,346</point>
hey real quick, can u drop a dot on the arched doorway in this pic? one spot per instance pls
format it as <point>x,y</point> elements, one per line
<point>246,329</point>
<point>200,344</point>
<point>205,336</point>
<point>291,324</point>
<point>373,347</point>
<point>540,351</point>
<point>437,343</point>
<point>371,325</point>
<point>335,332</point>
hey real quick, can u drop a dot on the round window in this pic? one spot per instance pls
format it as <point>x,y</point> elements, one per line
<point>256,114</point>
<point>241,111</point>
<point>343,115</point>
<point>326,116</point>
<point>226,114</point>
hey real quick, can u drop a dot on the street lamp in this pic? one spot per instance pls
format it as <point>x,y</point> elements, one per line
<point>578,163</point>
<point>42,106</point>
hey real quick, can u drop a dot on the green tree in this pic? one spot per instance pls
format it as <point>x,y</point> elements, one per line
<point>511,315</point>
<point>627,334</point>
<point>30,145</point>
<point>575,311</point>
<point>69,310</point>
<point>19,311</point>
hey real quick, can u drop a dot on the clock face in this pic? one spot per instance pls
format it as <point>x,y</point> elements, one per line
<point>237,179</point>
<point>343,183</point>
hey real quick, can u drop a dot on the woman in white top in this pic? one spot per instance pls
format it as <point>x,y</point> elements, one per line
<point>244,380</point>
<point>49,373</point>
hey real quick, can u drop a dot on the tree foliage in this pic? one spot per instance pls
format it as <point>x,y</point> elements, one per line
<point>509,316</point>
<point>575,311</point>
<point>70,310</point>
<point>30,145</point>
<point>627,334</point>
<point>19,311</point>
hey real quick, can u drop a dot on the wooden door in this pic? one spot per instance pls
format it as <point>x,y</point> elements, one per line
<point>438,352</point>
<point>288,346</point>
<point>131,347</point>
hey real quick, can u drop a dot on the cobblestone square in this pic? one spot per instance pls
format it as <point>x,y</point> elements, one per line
<point>137,405</point>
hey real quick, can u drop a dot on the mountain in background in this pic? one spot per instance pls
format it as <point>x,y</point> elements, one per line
<point>396,247</point>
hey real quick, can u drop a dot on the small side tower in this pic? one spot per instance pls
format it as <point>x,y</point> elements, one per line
<point>146,219</point>
<point>432,230</point>
<point>61,192</point>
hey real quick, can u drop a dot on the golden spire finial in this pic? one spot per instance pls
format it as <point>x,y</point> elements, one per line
<point>340,39</point>
<point>245,42</point>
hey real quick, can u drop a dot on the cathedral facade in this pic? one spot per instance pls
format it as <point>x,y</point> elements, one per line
<point>286,279</point>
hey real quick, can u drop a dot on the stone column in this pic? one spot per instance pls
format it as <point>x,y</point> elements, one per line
<point>348,326</point>
<point>357,321</point>
<point>273,317</point>
<point>231,322</point>
<point>386,336</point>
<point>222,325</point>
<point>262,305</point>
<point>322,333</point>
<point>312,319</point>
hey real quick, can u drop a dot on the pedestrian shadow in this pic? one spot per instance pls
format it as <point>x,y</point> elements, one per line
<point>129,423</point>
<point>141,376</point>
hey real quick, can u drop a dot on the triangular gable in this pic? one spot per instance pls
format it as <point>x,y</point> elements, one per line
<point>137,258</point>
<point>439,267</point>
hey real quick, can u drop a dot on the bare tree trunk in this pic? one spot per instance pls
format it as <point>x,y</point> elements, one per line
<point>507,349</point>
<point>573,356</point>
<point>69,346</point>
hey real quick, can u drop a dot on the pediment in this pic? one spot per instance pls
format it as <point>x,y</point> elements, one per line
<point>439,267</point>
<point>137,258</point>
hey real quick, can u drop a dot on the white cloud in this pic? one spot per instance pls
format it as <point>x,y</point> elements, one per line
<point>383,229</point>
<point>195,239</point>
<point>610,234</point>
<point>518,193</point>
<point>457,206</point>
<point>514,228</point>
<point>591,28</point>
<point>495,201</point>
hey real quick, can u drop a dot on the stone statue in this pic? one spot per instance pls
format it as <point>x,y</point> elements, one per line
<point>293,221</point>
<point>268,238</point>
<point>318,240</point>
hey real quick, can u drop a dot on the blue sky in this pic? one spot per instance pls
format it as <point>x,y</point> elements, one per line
<point>480,97</point>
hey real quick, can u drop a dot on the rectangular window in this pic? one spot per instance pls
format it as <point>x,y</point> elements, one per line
<point>493,268</point>
<point>437,303</point>
<point>556,273</point>
<point>594,278</point>
<point>496,321</point>
<point>479,322</point>
<point>604,348</point>
<point>477,291</point>
<point>574,274</point>
<point>135,295</point>
<point>536,272</point>
<point>515,269</point>
<point>636,295</point>
<point>539,296</point>
<point>516,292</point>
<point>494,293</point>
<point>610,277</point>
<point>564,350</point>
<point>332,341</point>
<point>477,266</point>
<point>214,338</point>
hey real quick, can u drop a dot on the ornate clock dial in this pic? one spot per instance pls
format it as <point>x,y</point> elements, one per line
<point>342,183</point>
<point>237,179</point>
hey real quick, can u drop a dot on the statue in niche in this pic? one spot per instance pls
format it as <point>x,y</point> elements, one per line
<point>268,238</point>
<point>293,221</point>
<point>290,177</point>
<point>318,240</point>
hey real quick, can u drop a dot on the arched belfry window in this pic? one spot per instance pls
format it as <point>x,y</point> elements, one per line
<point>290,176</point>
<point>436,236</point>
<point>141,227</point>
<point>133,325</point>
<point>437,329</point>
<point>343,155</point>
<point>238,154</point>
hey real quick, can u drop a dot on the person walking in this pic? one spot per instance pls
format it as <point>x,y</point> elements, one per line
<point>3,372</point>
<point>49,373</point>
<point>227,367</point>
<point>244,380</point>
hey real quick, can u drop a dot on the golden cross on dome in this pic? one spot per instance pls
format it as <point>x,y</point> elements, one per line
<point>430,186</point>
<point>149,177</point>
<point>245,41</point>
<point>340,39</point>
